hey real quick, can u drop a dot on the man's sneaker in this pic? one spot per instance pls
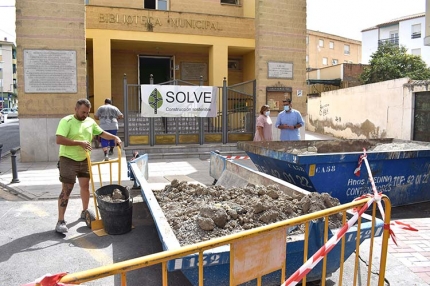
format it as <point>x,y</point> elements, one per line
<point>111,151</point>
<point>61,227</point>
<point>83,214</point>
<point>106,157</point>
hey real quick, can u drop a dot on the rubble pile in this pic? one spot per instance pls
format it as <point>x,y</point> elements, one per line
<point>198,213</point>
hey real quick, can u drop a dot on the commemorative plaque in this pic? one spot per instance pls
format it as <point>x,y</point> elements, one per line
<point>50,71</point>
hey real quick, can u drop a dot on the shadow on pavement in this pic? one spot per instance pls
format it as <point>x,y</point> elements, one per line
<point>142,240</point>
<point>419,210</point>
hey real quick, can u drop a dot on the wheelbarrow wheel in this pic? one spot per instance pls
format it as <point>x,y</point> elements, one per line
<point>89,217</point>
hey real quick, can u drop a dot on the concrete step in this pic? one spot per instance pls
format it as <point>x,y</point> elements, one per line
<point>184,151</point>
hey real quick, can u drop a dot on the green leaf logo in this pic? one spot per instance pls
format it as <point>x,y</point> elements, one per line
<point>155,100</point>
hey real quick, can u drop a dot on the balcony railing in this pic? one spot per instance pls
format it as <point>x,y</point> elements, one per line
<point>392,40</point>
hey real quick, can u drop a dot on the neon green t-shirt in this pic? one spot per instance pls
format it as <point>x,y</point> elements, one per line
<point>74,129</point>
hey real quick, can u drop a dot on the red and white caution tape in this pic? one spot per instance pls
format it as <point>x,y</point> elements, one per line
<point>402,225</point>
<point>325,249</point>
<point>377,196</point>
<point>331,243</point>
<point>237,157</point>
<point>49,280</point>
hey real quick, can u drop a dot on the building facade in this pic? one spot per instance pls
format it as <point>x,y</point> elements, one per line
<point>408,31</point>
<point>8,96</point>
<point>325,50</point>
<point>184,40</point>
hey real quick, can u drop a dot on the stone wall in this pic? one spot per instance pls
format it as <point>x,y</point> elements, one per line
<point>378,110</point>
<point>47,26</point>
<point>280,36</point>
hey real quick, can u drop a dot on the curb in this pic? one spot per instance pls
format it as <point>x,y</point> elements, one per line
<point>7,188</point>
<point>14,192</point>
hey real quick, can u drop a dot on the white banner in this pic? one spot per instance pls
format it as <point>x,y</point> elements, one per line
<point>179,101</point>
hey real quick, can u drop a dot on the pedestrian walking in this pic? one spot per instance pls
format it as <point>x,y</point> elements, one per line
<point>289,121</point>
<point>74,135</point>
<point>108,115</point>
<point>264,125</point>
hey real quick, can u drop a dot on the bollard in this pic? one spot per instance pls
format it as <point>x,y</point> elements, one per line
<point>14,169</point>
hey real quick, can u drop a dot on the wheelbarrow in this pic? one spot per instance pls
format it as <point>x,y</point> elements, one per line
<point>92,219</point>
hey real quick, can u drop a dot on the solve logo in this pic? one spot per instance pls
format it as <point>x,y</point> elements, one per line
<point>155,100</point>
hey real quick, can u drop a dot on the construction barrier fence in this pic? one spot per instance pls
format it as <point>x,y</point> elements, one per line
<point>257,252</point>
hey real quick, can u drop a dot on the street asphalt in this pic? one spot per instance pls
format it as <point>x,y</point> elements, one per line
<point>30,248</point>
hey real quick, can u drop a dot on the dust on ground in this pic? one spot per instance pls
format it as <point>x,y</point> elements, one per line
<point>199,213</point>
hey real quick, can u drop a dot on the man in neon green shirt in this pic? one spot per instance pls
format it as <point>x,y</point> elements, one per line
<point>74,135</point>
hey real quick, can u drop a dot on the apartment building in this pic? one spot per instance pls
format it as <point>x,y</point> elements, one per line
<point>325,50</point>
<point>8,95</point>
<point>408,31</point>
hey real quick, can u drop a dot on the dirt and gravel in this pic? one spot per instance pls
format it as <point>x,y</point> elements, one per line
<point>198,213</point>
<point>116,197</point>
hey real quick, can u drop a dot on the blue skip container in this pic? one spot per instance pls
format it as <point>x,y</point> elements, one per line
<point>402,175</point>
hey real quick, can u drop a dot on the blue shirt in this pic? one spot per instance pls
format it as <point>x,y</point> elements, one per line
<point>290,118</point>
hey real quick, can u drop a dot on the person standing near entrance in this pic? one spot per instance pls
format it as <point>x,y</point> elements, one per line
<point>74,135</point>
<point>264,125</point>
<point>289,121</point>
<point>108,115</point>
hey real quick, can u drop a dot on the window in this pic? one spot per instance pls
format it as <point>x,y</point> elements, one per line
<point>156,4</point>
<point>307,40</point>
<point>331,45</point>
<point>321,43</point>
<point>416,52</point>
<point>394,37</point>
<point>416,31</point>
<point>307,58</point>
<point>234,2</point>
<point>325,61</point>
<point>233,64</point>
<point>334,61</point>
<point>346,49</point>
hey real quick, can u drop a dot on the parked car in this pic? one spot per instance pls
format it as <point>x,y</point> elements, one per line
<point>11,112</point>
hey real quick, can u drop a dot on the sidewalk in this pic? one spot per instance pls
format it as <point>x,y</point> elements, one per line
<point>409,261</point>
<point>40,180</point>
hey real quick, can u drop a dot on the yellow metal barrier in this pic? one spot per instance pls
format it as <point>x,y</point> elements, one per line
<point>163,257</point>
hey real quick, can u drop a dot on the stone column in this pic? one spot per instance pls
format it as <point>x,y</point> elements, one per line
<point>218,64</point>
<point>102,71</point>
<point>53,27</point>
<point>280,36</point>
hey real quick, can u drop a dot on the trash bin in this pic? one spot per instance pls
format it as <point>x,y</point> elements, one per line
<point>116,217</point>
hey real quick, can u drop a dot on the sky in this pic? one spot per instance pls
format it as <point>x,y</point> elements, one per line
<point>7,20</point>
<point>346,18</point>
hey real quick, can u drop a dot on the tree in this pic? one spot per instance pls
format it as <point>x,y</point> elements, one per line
<point>391,62</point>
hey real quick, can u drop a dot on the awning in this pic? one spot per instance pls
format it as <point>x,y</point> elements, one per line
<point>335,82</point>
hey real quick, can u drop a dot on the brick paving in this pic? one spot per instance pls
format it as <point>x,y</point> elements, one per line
<point>413,247</point>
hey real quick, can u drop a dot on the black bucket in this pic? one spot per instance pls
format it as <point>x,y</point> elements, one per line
<point>116,216</point>
<point>117,222</point>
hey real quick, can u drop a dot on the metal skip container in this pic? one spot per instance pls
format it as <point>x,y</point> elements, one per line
<point>400,168</point>
<point>217,260</point>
